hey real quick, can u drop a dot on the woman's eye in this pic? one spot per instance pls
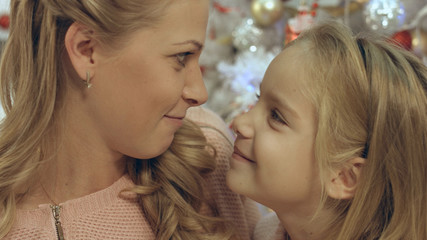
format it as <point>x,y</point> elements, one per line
<point>275,116</point>
<point>181,58</point>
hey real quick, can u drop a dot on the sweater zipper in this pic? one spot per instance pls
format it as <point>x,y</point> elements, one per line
<point>56,211</point>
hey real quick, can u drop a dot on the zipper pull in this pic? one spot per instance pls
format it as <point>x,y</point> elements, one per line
<point>56,210</point>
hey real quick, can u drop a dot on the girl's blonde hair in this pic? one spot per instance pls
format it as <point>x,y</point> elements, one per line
<point>371,102</point>
<point>34,79</point>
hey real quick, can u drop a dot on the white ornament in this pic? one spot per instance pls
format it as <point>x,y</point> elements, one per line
<point>244,76</point>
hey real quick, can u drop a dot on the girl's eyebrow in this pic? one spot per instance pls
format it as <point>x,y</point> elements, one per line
<point>276,98</point>
<point>196,43</point>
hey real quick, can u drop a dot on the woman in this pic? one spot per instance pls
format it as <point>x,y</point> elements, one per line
<point>90,89</point>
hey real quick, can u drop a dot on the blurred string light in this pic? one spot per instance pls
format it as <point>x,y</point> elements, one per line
<point>384,16</point>
<point>250,36</point>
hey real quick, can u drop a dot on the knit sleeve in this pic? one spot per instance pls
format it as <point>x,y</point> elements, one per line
<point>237,209</point>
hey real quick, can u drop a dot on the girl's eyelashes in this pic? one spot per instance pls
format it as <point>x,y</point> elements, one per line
<point>275,114</point>
<point>276,117</point>
<point>181,58</point>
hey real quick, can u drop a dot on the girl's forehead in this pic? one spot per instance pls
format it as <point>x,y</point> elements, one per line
<point>292,71</point>
<point>291,62</point>
<point>295,55</point>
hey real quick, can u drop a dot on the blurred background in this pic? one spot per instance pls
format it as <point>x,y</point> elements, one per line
<point>243,36</point>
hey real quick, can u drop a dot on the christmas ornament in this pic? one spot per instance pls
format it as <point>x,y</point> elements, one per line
<point>403,39</point>
<point>243,77</point>
<point>417,29</point>
<point>303,20</point>
<point>419,43</point>
<point>419,40</point>
<point>384,16</point>
<point>266,12</point>
<point>221,8</point>
<point>4,21</point>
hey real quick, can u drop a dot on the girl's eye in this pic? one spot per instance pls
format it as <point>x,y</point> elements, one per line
<point>276,117</point>
<point>181,58</point>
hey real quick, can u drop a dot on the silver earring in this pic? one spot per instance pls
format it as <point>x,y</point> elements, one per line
<point>87,82</point>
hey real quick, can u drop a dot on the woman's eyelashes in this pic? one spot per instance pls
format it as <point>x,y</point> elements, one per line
<point>181,58</point>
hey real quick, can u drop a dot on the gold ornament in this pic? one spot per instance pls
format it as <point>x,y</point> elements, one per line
<point>419,42</point>
<point>266,12</point>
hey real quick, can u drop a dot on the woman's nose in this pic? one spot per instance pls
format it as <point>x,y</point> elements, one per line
<point>195,93</point>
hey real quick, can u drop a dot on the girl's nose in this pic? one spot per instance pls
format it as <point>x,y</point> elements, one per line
<point>243,126</point>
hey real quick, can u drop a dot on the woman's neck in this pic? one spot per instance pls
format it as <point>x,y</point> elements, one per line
<point>73,178</point>
<point>59,183</point>
<point>81,165</point>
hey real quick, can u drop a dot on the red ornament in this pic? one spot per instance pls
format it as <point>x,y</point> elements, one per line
<point>221,8</point>
<point>4,21</point>
<point>314,7</point>
<point>290,34</point>
<point>303,20</point>
<point>403,39</point>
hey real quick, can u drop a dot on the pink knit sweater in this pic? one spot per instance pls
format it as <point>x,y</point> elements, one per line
<point>106,215</point>
<point>269,228</point>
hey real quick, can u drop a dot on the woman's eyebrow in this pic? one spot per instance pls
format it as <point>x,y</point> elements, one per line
<point>197,44</point>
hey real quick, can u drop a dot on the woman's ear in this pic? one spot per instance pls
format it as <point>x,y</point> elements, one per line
<point>79,43</point>
<point>342,183</point>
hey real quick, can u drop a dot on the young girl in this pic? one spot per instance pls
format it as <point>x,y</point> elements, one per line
<point>337,143</point>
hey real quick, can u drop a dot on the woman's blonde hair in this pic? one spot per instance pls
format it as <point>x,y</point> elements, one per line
<point>371,102</point>
<point>34,79</point>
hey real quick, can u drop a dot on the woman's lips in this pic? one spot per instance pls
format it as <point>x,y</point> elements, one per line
<point>180,118</point>
<point>175,120</point>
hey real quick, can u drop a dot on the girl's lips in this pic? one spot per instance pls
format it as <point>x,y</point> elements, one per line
<point>240,154</point>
